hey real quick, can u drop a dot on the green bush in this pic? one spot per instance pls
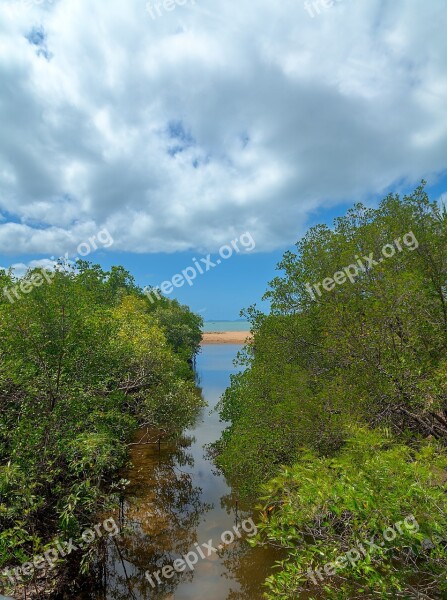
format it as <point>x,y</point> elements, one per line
<point>85,360</point>
<point>321,509</point>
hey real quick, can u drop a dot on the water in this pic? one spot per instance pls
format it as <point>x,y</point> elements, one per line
<point>175,500</point>
<point>210,326</point>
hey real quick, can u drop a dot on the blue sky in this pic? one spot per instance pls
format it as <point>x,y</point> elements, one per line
<point>179,130</point>
<point>222,292</point>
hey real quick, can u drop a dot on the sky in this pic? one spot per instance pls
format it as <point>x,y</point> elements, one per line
<point>178,129</point>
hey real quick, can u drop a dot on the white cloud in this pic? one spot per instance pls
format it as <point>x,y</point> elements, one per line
<point>182,131</point>
<point>20,269</point>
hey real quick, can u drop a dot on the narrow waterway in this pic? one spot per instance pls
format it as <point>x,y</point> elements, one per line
<point>176,500</point>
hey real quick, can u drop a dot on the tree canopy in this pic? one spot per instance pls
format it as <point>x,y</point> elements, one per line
<point>86,359</point>
<point>356,337</point>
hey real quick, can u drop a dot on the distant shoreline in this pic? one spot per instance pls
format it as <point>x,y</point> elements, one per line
<point>225,337</point>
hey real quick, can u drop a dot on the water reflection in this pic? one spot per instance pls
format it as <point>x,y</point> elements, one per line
<point>159,518</point>
<point>175,500</point>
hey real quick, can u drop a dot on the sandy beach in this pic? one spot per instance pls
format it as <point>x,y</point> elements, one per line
<point>225,337</point>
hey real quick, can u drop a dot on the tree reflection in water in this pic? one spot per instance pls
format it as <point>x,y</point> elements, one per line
<point>159,517</point>
<point>248,567</point>
<point>165,514</point>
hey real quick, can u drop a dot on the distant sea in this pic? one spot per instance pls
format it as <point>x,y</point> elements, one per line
<point>226,326</point>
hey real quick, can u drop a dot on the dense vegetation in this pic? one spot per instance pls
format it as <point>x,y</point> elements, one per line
<point>86,359</point>
<point>340,418</point>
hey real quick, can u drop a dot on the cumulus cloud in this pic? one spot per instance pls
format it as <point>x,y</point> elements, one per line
<point>182,131</point>
<point>19,269</point>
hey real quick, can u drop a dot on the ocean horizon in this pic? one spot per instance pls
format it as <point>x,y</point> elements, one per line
<point>210,326</point>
